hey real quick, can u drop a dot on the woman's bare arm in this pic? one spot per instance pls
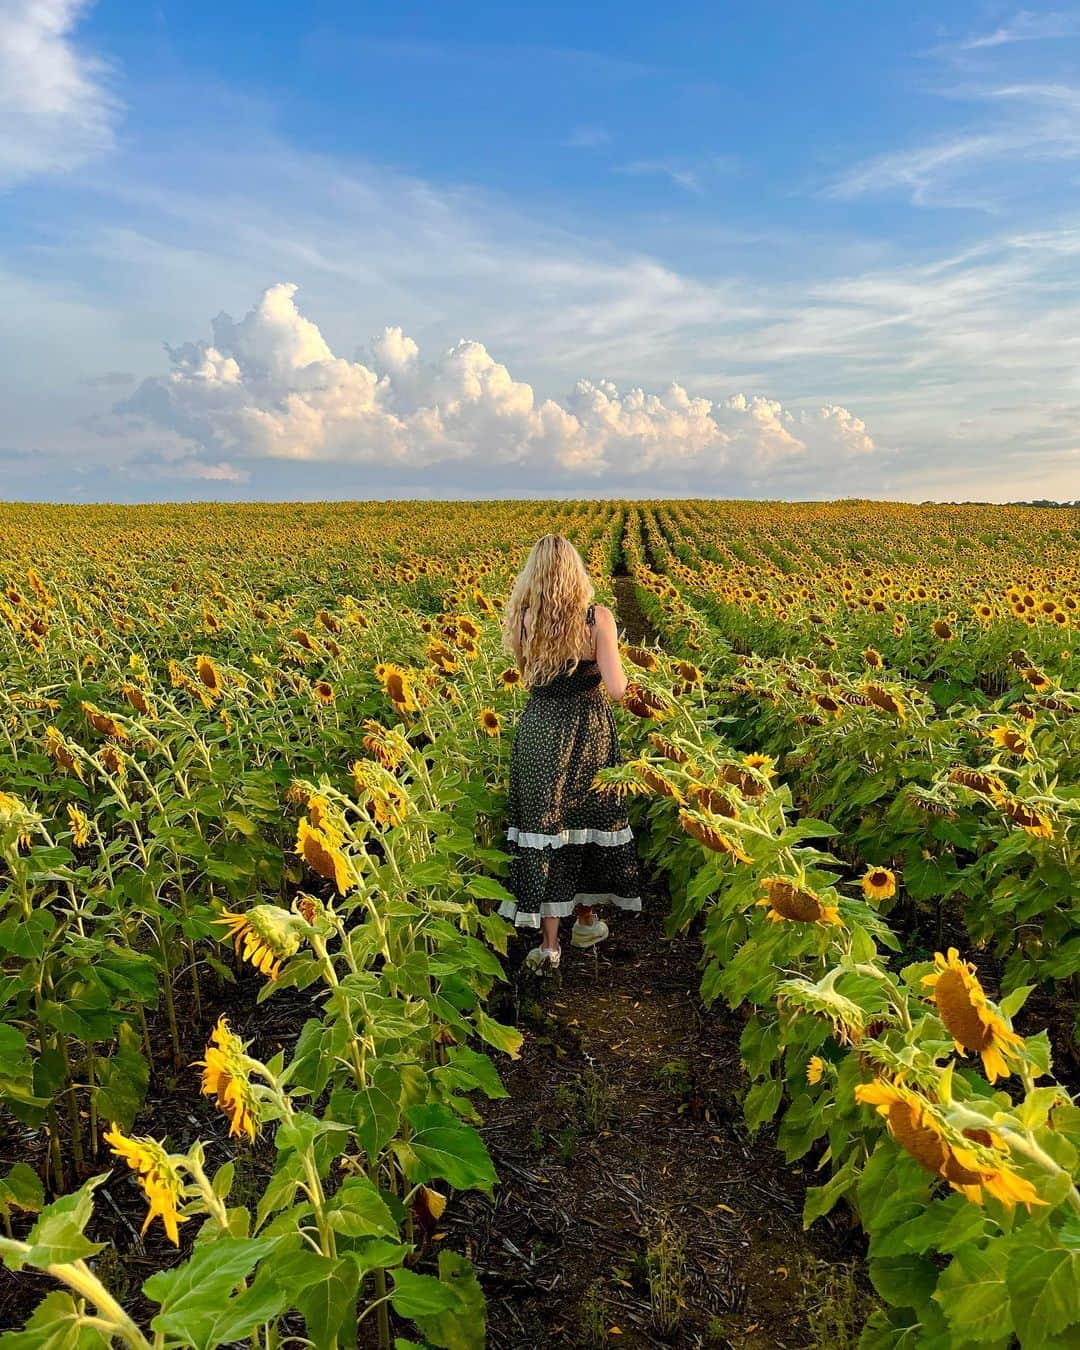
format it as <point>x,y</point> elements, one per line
<point>607,653</point>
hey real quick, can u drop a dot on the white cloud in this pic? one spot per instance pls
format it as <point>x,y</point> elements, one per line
<point>270,387</point>
<point>55,109</point>
<point>1025,26</point>
<point>678,174</point>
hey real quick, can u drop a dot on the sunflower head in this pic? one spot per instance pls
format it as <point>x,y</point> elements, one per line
<point>489,721</point>
<point>158,1176</point>
<point>267,933</point>
<point>226,1076</point>
<point>969,1166</point>
<point>786,901</point>
<point>323,854</point>
<point>80,825</point>
<point>968,1016</point>
<point>209,675</point>
<point>878,883</point>
<point>706,832</point>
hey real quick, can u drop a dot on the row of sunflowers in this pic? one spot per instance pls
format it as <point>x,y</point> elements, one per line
<point>894,1072</point>
<point>252,754</point>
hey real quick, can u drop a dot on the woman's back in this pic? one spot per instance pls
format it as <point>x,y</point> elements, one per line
<point>586,674</point>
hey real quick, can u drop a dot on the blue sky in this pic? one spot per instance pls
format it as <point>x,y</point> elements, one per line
<point>793,250</point>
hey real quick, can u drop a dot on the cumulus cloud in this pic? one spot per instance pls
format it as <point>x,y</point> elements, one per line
<point>54,106</point>
<point>270,387</point>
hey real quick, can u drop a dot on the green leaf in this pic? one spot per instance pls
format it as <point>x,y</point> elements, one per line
<point>21,1189</point>
<point>417,1296</point>
<point>762,1102</point>
<point>378,1109</point>
<point>821,1199</point>
<point>1043,1280</point>
<point>501,1037</point>
<point>1011,1004</point>
<point>487,888</point>
<point>358,1210</point>
<point>236,1318</point>
<point>974,1297</point>
<point>445,1148</point>
<point>58,1235</point>
<point>329,1304</point>
<point>190,1292</point>
<point>463,1327</point>
<point>904,1281</point>
<point>123,1079</point>
<point>54,1325</point>
<point>479,1068</point>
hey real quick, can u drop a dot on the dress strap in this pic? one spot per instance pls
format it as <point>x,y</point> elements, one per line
<point>590,614</point>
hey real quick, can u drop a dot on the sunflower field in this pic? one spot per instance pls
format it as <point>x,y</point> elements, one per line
<point>257,755</point>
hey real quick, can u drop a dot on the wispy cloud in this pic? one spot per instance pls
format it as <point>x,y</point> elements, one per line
<point>688,179</point>
<point>1025,26</point>
<point>55,105</point>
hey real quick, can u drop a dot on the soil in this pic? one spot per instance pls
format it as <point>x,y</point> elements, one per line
<point>622,1143</point>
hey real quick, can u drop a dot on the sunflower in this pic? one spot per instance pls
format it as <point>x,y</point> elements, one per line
<point>880,697</point>
<point>655,779</point>
<point>714,799</point>
<point>814,1069</point>
<point>384,799</point>
<point>510,676</point>
<point>269,935</point>
<point>113,761</point>
<point>763,763</point>
<point>398,685</point>
<point>872,657</point>
<point>618,781</point>
<point>667,748</point>
<point>878,883</point>
<point>1028,818</point>
<point>80,825</point>
<point>642,658</point>
<point>322,853</point>
<point>705,832</point>
<point>209,676</point>
<point>138,700</point>
<point>921,1131</point>
<point>643,702</point>
<point>787,901</point>
<point>689,673</point>
<point>158,1178</point>
<point>442,658</point>
<point>969,1019</point>
<point>323,691</point>
<point>226,1077</point>
<point>17,820</point>
<point>1015,742</point>
<point>1035,678</point>
<point>987,784</point>
<point>387,746</point>
<point>103,722</point>
<point>742,778</point>
<point>490,721</point>
<point>942,630</point>
<point>60,752</point>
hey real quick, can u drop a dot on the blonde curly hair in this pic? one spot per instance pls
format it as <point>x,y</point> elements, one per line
<point>556,589</point>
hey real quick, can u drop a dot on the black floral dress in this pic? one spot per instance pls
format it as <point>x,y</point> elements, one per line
<point>569,844</point>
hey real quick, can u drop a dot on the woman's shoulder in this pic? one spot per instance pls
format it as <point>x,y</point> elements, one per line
<point>601,614</point>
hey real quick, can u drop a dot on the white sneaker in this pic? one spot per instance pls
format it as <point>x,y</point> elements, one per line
<point>543,957</point>
<point>589,934</point>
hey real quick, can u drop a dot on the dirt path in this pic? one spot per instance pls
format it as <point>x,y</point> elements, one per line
<point>631,1195</point>
<point>630,618</point>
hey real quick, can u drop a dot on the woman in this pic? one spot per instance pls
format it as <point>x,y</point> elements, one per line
<point>571,846</point>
